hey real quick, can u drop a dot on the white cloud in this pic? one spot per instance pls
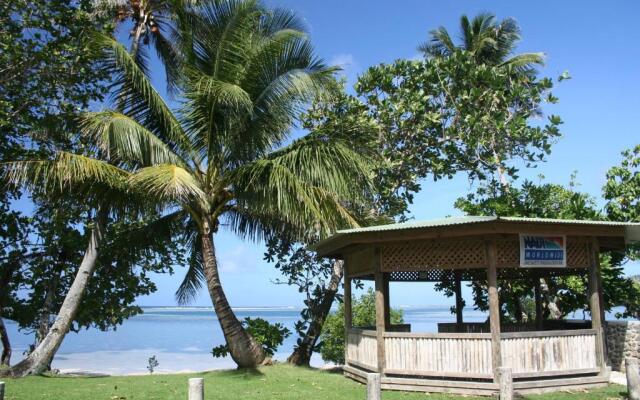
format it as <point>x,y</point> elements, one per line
<point>349,65</point>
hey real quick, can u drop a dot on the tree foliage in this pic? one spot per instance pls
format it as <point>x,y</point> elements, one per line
<point>569,293</point>
<point>450,114</point>
<point>270,336</point>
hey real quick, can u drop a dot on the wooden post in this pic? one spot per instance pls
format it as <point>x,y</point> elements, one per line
<point>603,319</point>
<point>348,315</point>
<point>459,301</point>
<point>373,386</point>
<point>1,390</point>
<point>633,378</point>
<point>594,302</point>
<point>196,389</point>
<point>387,302</point>
<point>505,378</point>
<point>494,307</point>
<point>537,290</point>
<point>380,308</point>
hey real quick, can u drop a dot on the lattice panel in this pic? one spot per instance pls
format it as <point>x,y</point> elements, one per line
<point>578,253</point>
<point>440,275</point>
<point>508,252</point>
<point>420,256</point>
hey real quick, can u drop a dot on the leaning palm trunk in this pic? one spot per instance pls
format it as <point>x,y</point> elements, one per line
<point>302,353</point>
<point>244,349</point>
<point>38,361</point>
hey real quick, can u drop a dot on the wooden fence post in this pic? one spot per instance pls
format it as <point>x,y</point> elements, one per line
<point>373,386</point>
<point>1,390</point>
<point>633,378</point>
<point>196,389</point>
<point>505,378</point>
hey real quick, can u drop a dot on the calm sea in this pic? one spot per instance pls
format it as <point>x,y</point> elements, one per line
<point>181,339</point>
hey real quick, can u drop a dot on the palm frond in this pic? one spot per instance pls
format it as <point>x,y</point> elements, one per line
<point>194,278</point>
<point>161,230</point>
<point>270,189</point>
<point>440,44</point>
<point>123,138</point>
<point>525,60</point>
<point>139,98</point>
<point>170,57</point>
<point>67,171</point>
<point>169,183</point>
<point>329,163</point>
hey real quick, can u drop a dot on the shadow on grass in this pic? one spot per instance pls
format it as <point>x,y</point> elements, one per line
<point>240,372</point>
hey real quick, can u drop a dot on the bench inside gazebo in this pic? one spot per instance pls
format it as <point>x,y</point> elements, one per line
<point>464,357</point>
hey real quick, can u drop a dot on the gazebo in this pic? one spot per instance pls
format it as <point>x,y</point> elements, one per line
<point>464,357</point>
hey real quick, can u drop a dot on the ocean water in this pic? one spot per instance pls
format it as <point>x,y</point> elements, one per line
<point>182,338</point>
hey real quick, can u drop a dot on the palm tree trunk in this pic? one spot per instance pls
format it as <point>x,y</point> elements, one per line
<point>6,345</point>
<point>244,349</point>
<point>38,361</point>
<point>302,353</point>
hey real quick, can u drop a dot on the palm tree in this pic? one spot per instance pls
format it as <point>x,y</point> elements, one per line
<point>227,158</point>
<point>491,42</point>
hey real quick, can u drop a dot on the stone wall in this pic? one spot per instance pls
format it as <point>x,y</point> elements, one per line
<point>623,340</point>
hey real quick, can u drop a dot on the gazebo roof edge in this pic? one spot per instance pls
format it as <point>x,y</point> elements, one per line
<point>632,229</point>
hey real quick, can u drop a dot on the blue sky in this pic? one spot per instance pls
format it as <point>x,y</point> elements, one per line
<point>597,42</point>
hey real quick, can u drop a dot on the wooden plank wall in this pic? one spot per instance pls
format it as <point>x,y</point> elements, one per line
<point>526,353</point>
<point>441,355</point>
<point>362,349</point>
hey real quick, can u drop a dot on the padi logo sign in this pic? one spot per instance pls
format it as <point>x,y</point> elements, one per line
<point>543,251</point>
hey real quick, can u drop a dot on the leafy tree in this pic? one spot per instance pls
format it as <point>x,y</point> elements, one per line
<point>622,189</point>
<point>489,41</point>
<point>450,114</point>
<point>622,192</point>
<point>121,274</point>
<point>223,159</point>
<point>48,69</point>
<point>363,315</point>
<point>270,336</point>
<point>48,74</point>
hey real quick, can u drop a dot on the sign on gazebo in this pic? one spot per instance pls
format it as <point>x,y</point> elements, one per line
<point>546,251</point>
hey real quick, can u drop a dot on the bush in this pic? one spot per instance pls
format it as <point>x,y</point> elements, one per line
<point>363,314</point>
<point>270,336</point>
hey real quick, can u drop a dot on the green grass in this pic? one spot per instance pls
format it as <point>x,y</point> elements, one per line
<point>276,382</point>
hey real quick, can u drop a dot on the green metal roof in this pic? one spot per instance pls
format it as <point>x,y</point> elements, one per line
<point>450,221</point>
<point>632,230</point>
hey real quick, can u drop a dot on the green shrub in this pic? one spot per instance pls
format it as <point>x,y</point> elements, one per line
<point>363,314</point>
<point>270,336</point>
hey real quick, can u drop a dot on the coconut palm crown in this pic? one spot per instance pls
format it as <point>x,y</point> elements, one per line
<point>491,42</point>
<point>226,157</point>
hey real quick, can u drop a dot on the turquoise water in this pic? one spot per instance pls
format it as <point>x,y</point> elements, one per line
<point>181,339</point>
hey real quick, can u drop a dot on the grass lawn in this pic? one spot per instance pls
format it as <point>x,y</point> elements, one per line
<point>275,382</point>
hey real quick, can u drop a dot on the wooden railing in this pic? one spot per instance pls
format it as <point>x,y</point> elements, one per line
<point>549,353</point>
<point>444,355</point>
<point>362,349</point>
<point>468,355</point>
